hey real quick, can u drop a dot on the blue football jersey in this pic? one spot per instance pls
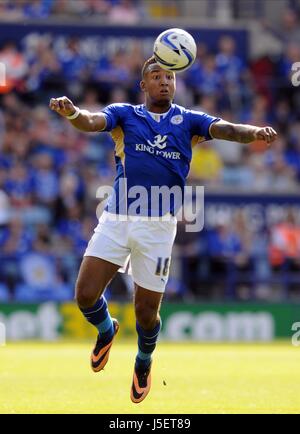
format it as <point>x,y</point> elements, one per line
<point>152,155</point>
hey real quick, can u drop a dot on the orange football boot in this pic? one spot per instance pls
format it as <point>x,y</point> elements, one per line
<point>100,353</point>
<point>141,384</point>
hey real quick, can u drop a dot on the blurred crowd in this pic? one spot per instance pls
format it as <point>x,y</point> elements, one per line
<point>50,172</point>
<point>114,11</point>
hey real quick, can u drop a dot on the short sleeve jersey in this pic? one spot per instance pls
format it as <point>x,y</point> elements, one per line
<point>152,155</point>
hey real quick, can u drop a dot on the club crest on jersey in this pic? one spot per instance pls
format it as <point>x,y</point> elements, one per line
<point>176,120</point>
<point>159,142</point>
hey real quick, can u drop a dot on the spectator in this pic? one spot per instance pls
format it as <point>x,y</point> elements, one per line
<point>17,239</point>
<point>288,31</point>
<point>4,209</point>
<point>209,82</point>
<point>124,12</point>
<point>19,185</point>
<point>44,178</point>
<point>37,8</point>
<point>15,66</point>
<point>285,243</point>
<point>73,62</point>
<point>206,165</point>
<point>228,64</point>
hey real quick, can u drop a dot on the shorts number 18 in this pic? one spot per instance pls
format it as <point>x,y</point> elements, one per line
<point>162,266</point>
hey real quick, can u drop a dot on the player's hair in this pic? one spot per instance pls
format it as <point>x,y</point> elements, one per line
<point>147,63</point>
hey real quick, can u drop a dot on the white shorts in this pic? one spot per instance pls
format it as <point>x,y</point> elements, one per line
<point>147,244</point>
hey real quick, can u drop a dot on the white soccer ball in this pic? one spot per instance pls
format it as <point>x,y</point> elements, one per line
<point>175,50</point>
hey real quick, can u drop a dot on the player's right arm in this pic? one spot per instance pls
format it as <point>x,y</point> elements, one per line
<point>85,121</point>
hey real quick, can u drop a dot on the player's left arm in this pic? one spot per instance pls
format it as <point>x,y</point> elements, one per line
<point>241,133</point>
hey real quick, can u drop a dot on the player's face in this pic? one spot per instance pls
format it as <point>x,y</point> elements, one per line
<point>159,84</point>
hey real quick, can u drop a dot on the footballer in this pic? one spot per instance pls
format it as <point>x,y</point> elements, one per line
<point>153,147</point>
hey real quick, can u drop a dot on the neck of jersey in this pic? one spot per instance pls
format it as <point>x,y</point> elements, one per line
<point>158,116</point>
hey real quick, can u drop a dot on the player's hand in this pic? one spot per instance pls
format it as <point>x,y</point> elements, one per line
<point>268,134</point>
<point>62,106</point>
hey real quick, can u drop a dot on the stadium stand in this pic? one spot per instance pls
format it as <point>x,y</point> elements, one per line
<point>49,172</point>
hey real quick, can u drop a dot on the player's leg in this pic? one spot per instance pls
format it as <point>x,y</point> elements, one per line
<point>148,324</point>
<point>106,253</point>
<point>150,260</point>
<point>94,276</point>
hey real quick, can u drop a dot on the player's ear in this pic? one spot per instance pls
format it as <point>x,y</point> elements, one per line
<point>143,86</point>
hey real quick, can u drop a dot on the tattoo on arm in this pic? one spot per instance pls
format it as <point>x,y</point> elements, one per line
<point>233,132</point>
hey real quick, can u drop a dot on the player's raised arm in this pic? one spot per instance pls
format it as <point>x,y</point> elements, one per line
<point>241,133</point>
<point>83,120</point>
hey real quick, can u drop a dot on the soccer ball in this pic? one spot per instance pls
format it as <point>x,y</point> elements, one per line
<point>175,50</point>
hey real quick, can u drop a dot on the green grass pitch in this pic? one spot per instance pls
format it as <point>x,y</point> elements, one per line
<point>212,378</point>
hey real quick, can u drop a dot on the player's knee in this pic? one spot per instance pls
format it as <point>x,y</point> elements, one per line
<point>146,316</point>
<point>85,296</point>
